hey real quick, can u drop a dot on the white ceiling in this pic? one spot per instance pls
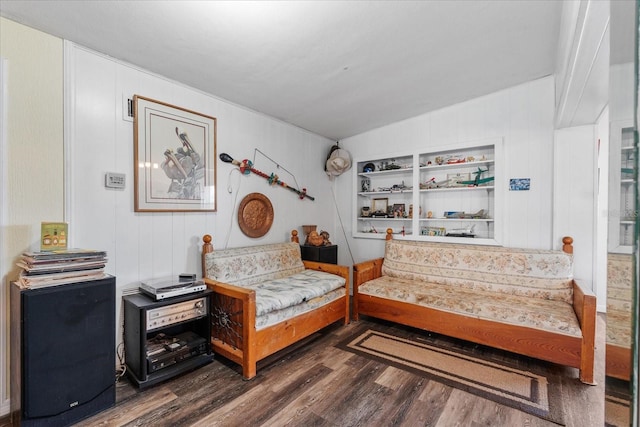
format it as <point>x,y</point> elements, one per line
<point>336,68</point>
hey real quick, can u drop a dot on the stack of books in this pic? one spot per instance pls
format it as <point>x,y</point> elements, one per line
<point>60,267</point>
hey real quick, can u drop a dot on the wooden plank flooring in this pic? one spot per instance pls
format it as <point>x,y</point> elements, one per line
<point>316,384</point>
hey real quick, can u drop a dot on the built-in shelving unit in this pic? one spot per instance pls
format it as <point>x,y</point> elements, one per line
<point>449,193</point>
<point>622,177</point>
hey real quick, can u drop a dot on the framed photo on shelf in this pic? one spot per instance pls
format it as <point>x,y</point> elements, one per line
<point>174,158</point>
<point>398,210</point>
<point>380,205</point>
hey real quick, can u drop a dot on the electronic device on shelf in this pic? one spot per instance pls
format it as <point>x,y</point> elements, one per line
<point>168,287</point>
<point>164,351</point>
<point>161,317</point>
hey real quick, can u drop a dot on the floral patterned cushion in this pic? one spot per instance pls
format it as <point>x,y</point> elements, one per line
<point>619,299</point>
<point>540,274</point>
<point>254,264</point>
<point>278,316</point>
<point>556,316</point>
<point>277,275</point>
<point>277,294</point>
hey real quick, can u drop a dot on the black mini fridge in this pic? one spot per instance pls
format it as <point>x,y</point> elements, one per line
<point>62,352</point>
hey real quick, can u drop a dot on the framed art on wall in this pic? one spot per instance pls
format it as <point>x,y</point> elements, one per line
<point>174,158</point>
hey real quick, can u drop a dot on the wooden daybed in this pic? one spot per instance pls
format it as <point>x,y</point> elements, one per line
<point>519,300</point>
<point>246,280</point>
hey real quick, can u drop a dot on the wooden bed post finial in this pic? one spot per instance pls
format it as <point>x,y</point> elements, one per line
<point>567,244</point>
<point>207,248</point>
<point>389,235</point>
<point>294,236</point>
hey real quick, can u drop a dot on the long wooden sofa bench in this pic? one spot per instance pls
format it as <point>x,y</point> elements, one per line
<point>520,300</point>
<point>267,298</point>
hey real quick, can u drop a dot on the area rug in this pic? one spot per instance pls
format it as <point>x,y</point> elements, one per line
<point>535,393</point>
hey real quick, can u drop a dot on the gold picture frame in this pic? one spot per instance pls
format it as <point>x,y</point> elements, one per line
<point>380,205</point>
<point>174,158</point>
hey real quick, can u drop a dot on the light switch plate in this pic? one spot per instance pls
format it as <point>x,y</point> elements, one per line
<point>114,180</point>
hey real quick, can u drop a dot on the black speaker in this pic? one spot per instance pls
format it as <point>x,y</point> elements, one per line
<point>63,352</point>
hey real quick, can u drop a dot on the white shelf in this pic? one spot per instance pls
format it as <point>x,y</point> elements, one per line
<point>387,172</point>
<point>461,188</point>
<point>457,219</point>
<point>384,193</point>
<point>365,218</point>
<point>457,165</point>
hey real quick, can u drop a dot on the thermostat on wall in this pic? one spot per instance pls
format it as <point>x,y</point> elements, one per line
<point>114,180</point>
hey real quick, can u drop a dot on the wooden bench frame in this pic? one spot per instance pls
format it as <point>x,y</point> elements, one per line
<point>618,362</point>
<point>233,318</point>
<point>545,345</point>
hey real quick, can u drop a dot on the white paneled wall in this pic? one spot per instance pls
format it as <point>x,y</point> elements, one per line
<point>522,115</point>
<point>147,245</point>
<point>575,195</point>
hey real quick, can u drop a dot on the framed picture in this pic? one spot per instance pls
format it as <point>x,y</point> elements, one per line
<point>380,205</point>
<point>519,184</point>
<point>174,158</point>
<point>398,210</point>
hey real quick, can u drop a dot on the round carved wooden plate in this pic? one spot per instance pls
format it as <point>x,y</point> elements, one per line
<point>255,215</point>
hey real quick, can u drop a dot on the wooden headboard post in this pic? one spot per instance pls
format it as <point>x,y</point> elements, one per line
<point>294,236</point>
<point>567,244</point>
<point>207,248</point>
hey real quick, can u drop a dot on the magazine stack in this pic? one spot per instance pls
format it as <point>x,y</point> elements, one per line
<point>61,267</point>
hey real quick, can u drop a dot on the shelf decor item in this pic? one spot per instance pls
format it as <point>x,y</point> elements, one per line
<point>380,205</point>
<point>306,230</point>
<point>174,158</point>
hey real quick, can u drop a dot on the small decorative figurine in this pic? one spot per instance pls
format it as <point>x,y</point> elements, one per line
<point>325,238</point>
<point>315,239</point>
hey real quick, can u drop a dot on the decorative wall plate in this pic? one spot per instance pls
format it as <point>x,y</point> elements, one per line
<point>255,215</point>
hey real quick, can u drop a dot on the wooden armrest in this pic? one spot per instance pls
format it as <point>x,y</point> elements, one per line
<point>230,290</point>
<point>340,270</point>
<point>365,271</point>
<point>584,304</point>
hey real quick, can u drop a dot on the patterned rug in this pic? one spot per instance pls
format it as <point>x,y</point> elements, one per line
<point>536,393</point>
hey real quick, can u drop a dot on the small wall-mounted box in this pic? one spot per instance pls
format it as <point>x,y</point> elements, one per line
<point>114,180</point>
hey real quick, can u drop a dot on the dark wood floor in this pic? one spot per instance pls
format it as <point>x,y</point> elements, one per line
<point>316,384</point>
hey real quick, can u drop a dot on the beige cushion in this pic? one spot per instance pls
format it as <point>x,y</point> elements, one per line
<point>541,274</point>
<point>549,315</point>
<point>254,264</point>
<point>619,299</point>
